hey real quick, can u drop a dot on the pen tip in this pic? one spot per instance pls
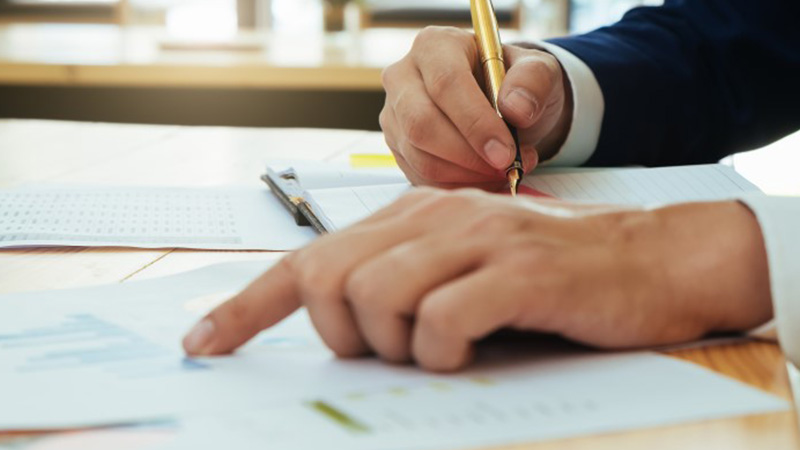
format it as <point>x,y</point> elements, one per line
<point>513,182</point>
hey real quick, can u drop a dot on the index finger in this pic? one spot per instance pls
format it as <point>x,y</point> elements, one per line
<point>448,71</point>
<point>265,302</point>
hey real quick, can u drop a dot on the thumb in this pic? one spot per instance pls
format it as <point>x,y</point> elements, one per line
<point>533,85</point>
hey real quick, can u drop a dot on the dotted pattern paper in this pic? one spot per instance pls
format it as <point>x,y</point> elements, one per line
<point>203,218</point>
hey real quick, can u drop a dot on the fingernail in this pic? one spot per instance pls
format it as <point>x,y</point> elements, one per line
<point>199,337</point>
<point>522,102</point>
<point>498,154</point>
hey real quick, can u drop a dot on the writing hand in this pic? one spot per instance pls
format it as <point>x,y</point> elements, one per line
<point>440,125</point>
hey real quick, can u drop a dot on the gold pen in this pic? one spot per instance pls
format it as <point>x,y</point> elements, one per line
<point>491,52</point>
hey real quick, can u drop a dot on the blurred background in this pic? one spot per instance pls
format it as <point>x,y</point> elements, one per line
<point>298,63</point>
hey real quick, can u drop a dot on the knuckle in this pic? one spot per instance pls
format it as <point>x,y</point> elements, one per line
<point>437,318</point>
<point>547,68</point>
<point>315,280</point>
<point>473,124</point>
<point>442,82</point>
<point>431,33</point>
<point>361,288</point>
<point>427,168</point>
<point>415,126</point>
<point>551,62</point>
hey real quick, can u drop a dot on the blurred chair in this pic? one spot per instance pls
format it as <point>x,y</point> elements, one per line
<point>420,13</point>
<point>78,11</point>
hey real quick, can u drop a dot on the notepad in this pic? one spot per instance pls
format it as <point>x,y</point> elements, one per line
<point>333,202</point>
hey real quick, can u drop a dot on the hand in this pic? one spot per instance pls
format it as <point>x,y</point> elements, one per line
<point>430,275</point>
<point>441,127</point>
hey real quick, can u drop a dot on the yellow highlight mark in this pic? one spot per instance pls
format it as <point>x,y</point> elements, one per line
<point>371,160</point>
<point>338,416</point>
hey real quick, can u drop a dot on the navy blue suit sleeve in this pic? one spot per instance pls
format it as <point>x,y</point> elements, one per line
<point>694,80</point>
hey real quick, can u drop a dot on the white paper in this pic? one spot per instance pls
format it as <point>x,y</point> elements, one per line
<point>341,207</point>
<point>111,355</point>
<point>644,187</point>
<point>558,397</point>
<point>325,175</point>
<point>198,218</point>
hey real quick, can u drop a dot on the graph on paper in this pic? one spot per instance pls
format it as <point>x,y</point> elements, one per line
<point>86,342</point>
<point>449,406</point>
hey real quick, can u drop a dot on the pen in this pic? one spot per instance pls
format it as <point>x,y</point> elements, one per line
<point>491,53</point>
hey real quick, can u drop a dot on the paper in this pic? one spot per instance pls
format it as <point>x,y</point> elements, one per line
<point>341,207</point>
<point>111,355</point>
<point>198,218</point>
<point>559,397</point>
<point>644,187</point>
<point>313,175</point>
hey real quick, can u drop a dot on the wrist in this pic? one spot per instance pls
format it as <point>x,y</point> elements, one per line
<point>719,264</point>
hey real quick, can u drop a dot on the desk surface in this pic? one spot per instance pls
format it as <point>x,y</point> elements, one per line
<point>65,152</point>
<point>109,55</point>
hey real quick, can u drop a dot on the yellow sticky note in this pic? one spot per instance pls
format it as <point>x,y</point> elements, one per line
<point>371,160</point>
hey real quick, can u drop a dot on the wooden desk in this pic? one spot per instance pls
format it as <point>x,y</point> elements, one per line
<point>64,152</point>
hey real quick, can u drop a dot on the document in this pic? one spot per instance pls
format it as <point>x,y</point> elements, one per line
<point>110,355</point>
<point>345,206</point>
<point>196,218</point>
<point>643,187</point>
<point>340,205</point>
<point>559,396</point>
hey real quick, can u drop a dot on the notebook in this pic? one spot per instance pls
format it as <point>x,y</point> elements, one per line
<point>330,199</point>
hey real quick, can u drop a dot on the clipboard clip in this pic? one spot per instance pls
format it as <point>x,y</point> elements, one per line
<point>286,187</point>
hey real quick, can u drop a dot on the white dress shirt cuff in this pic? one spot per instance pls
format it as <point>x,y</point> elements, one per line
<point>588,108</point>
<point>779,218</point>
